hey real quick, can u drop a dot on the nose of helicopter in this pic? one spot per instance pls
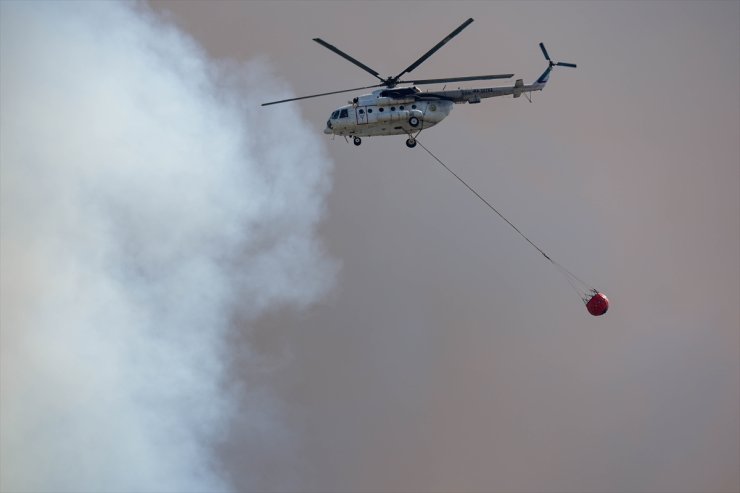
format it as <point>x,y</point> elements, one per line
<point>327,130</point>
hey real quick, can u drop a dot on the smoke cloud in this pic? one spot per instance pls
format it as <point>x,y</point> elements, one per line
<point>147,203</point>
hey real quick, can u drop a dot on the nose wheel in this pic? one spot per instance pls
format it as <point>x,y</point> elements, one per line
<point>410,142</point>
<point>357,141</point>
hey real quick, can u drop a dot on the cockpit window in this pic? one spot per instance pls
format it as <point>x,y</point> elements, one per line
<point>343,114</point>
<point>335,115</point>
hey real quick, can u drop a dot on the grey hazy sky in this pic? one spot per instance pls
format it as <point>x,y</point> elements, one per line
<point>450,355</point>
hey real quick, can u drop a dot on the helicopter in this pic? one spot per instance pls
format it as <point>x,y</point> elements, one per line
<point>407,110</point>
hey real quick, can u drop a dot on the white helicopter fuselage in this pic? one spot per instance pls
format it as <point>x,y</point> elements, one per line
<point>376,114</point>
<point>407,111</point>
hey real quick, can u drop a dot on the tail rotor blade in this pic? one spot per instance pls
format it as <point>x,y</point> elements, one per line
<point>559,64</point>
<point>544,52</point>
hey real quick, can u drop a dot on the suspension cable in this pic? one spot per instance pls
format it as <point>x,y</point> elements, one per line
<point>568,274</point>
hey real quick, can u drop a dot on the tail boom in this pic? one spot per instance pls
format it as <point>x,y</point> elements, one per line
<point>472,96</point>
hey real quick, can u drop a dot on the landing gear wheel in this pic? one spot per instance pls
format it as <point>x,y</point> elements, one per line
<point>410,142</point>
<point>414,122</point>
<point>357,141</point>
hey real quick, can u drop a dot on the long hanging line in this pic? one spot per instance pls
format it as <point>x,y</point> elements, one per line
<point>587,296</point>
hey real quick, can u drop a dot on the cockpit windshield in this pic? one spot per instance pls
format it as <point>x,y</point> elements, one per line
<point>343,113</point>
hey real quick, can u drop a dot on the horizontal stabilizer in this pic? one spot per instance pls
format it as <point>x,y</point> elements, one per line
<point>518,85</point>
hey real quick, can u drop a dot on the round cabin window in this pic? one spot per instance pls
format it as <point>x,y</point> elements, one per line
<point>433,107</point>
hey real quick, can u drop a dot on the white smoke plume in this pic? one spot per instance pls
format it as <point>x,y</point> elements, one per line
<point>147,202</point>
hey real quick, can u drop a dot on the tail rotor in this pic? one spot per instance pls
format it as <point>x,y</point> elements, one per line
<point>554,64</point>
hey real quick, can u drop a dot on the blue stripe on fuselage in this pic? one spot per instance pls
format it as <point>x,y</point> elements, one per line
<point>545,75</point>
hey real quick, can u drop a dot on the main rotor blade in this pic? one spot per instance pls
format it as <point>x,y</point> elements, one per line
<point>458,79</point>
<point>563,64</point>
<point>544,51</point>
<point>347,57</point>
<point>436,47</point>
<point>319,95</point>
